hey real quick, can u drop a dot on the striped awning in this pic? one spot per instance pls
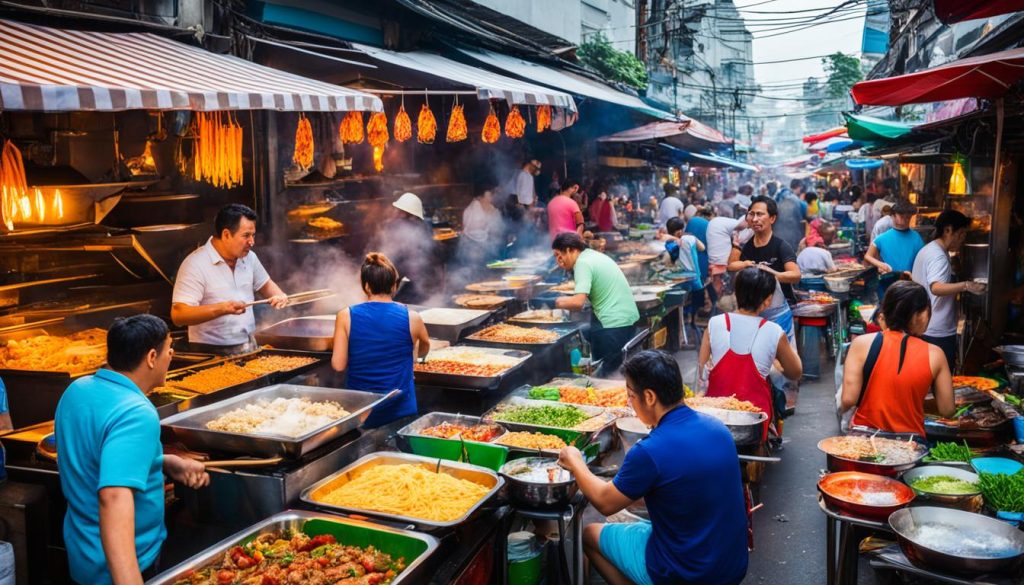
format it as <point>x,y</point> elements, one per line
<point>58,70</point>
<point>488,85</point>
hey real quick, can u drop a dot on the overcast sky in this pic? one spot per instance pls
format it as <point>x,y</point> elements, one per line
<point>843,35</point>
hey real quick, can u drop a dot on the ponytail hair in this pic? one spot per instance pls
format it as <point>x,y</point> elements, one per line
<point>378,275</point>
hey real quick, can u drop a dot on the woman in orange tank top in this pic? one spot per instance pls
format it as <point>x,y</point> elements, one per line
<point>906,369</point>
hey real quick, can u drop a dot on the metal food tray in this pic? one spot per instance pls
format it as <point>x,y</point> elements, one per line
<point>574,380</point>
<point>415,428</point>
<point>301,333</point>
<point>473,473</point>
<point>452,333</point>
<point>381,537</point>
<point>564,333</point>
<point>593,411</point>
<point>189,427</point>
<point>566,322</point>
<point>473,382</point>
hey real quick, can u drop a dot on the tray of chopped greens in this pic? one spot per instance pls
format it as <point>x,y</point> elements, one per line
<point>1003,492</point>
<point>946,485</point>
<point>522,414</point>
<point>958,454</point>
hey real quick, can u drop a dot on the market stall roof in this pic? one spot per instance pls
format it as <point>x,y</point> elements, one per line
<point>707,160</point>
<point>950,11</point>
<point>987,76</point>
<point>870,129</point>
<point>565,80</point>
<point>57,70</point>
<point>688,134</point>
<point>488,85</point>
<point>838,131</point>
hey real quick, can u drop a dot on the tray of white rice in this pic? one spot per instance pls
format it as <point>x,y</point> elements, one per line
<point>283,420</point>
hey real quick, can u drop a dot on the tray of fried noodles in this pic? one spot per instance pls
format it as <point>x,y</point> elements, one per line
<point>307,547</point>
<point>872,454</point>
<point>432,494</point>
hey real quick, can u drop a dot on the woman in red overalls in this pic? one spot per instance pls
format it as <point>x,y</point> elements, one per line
<point>740,348</point>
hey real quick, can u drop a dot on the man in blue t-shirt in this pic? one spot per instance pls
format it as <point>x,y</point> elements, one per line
<point>893,252</point>
<point>111,462</point>
<point>5,410</point>
<point>687,472</point>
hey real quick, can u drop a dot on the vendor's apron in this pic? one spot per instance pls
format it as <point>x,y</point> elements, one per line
<point>736,375</point>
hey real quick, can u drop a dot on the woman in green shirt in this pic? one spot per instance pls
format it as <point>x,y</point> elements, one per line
<point>599,280</point>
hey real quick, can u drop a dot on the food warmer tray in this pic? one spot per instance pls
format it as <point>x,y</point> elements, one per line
<point>301,333</point>
<point>588,436</point>
<point>452,332</point>
<point>567,322</point>
<point>432,419</point>
<point>479,475</point>
<point>564,333</point>
<point>416,548</point>
<point>474,382</point>
<point>189,427</point>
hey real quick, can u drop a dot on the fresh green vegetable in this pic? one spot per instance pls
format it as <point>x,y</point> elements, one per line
<point>643,226</point>
<point>545,393</point>
<point>564,417</point>
<point>1003,493</point>
<point>962,410</point>
<point>1013,400</point>
<point>949,452</point>
<point>944,484</point>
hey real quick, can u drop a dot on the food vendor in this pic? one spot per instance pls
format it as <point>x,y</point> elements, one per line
<point>894,250</point>
<point>739,348</point>
<point>564,213</point>
<point>5,410</point>
<point>887,375</point>
<point>483,231</point>
<point>599,279</point>
<point>770,253</point>
<point>721,236</point>
<point>112,466</point>
<point>932,270</point>
<point>688,474</point>
<point>408,238</point>
<point>216,282</point>
<point>815,257</point>
<point>378,341</point>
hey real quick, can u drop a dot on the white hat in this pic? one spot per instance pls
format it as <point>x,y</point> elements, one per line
<point>410,204</point>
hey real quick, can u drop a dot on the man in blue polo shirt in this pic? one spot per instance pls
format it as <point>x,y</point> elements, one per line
<point>111,462</point>
<point>687,472</point>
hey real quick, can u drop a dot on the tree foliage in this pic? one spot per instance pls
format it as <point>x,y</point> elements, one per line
<point>843,72</point>
<point>599,54</point>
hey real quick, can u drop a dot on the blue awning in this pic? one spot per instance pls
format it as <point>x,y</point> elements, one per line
<point>707,159</point>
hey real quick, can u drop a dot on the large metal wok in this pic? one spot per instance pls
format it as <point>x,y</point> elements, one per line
<point>1013,355</point>
<point>189,427</point>
<point>906,523</point>
<point>414,547</point>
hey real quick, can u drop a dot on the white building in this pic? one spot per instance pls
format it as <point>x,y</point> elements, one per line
<point>575,20</point>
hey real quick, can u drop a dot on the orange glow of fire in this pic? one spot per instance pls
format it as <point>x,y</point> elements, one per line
<point>543,118</point>
<point>378,158</point>
<point>492,128</point>
<point>351,129</point>
<point>377,130</point>
<point>457,129</point>
<point>403,125</point>
<point>426,126</point>
<point>515,125</point>
<point>40,206</point>
<point>8,209</point>
<point>58,204</point>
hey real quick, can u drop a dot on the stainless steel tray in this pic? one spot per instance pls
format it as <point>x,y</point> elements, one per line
<point>189,427</point>
<point>593,411</point>
<point>295,520</point>
<point>415,428</point>
<point>473,473</point>
<point>474,382</point>
<point>302,333</point>
<point>564,332</point>
<point>451,332</point>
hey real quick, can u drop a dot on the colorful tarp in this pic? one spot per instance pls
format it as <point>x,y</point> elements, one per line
<point>870,129</point>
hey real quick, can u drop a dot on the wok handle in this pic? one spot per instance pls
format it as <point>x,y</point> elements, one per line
<point>238,463</point>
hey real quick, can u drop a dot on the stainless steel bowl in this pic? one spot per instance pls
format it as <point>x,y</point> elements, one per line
<point>534,494</point>
<point>747,428</point>
<point>905,522</point>
<point>960,501</point>
<point>631,430</point>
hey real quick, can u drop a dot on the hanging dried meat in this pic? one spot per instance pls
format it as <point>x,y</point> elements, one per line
<point>457,129</point>
<point>492,128</point>
<point>403,125</point>
<point>217,150</point>
<point>13,185</point>
<point>303,155</point>
<point>515,125</point>
<point>377,130</point>
<point>543,118</point>
<point>426,126</point>
<point>351,129</point>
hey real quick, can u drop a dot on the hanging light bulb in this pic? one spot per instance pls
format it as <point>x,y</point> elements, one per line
<point>958,180</point>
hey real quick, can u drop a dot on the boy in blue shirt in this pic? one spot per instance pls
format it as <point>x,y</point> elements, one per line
<point>893,252</point>
<point>687,472</point>
<point>111,462</point>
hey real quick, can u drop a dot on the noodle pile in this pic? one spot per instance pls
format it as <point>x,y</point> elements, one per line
<point>408,490</point>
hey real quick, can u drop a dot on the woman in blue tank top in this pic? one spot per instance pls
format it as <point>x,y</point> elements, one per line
<point>378,341</point>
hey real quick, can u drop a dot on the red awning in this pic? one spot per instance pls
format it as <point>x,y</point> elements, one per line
<point>987,76</point>
<point>950,11</point>
<point>825,135</point>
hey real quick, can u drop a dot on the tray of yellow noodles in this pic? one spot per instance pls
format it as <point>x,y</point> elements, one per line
<point>431,494</point>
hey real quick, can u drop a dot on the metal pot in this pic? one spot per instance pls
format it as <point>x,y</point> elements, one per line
<point>905,522</point>
<point>959,501</point>
<point>1013,355</point>
<point>631,430</point>
<point>870,482</point>
<point>747,428</point>
<point>533,494</point>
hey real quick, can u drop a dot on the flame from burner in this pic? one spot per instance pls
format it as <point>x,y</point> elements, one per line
<point>40,206</point>
<point>58,204</point>
<point>378,158</point>
<point>8,209</point>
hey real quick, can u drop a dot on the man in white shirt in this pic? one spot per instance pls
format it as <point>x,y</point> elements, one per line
<point>933,271</point>
<point>671,206</point>
<point>721,234</point>
<point>818,259</point>
<point>523,184</point>
<point>216,282</point>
